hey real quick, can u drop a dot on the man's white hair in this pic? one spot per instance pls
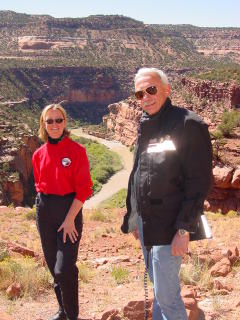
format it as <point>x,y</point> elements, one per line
<point>152,71</point>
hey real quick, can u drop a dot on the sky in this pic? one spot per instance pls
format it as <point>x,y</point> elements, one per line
<point>204,13</point>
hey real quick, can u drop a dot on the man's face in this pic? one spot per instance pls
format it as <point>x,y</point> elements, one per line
<point>152,103</point>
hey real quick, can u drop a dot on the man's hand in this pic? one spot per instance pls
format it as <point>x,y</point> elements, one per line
<point>180,244</point>
<point>135,234</point>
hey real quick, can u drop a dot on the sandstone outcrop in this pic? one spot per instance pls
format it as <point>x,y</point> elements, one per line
<point>44,43</point>
<point>122,121</point>
<point>213,91</point>
<point>16,167</point>
<point>225,194</point>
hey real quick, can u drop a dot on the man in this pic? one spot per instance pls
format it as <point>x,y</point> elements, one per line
<point>170,179</point>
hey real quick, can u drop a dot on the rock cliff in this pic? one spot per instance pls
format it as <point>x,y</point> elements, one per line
<point>213,92</point>
<point>16,181</point>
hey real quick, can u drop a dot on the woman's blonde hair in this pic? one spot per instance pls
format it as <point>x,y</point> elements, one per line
<point>42,132</point>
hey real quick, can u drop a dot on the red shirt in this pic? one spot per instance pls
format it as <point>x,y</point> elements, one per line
<point>62,168</point>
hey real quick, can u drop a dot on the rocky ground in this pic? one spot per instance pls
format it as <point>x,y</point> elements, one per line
<point>210,277</point>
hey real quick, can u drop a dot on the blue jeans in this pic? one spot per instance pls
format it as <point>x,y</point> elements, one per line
<point>163,271</point>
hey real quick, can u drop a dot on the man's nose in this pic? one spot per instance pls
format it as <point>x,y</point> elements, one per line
<point>145,95</point>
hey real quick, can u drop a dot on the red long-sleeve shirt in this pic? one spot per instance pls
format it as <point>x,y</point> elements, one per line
<point>62,168</point>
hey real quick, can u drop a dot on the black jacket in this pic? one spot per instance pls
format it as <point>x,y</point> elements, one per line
<point>171,175</point>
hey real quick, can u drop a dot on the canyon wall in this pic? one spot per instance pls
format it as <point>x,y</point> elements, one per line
<point>214,91</point>
<point>16,178</point>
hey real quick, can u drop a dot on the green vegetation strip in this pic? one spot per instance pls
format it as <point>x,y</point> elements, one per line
<point>118,200</point>
<point>103,162</point>
<point>222,74</point>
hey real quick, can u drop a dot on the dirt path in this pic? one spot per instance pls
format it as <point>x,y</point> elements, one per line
<point>118,180</point>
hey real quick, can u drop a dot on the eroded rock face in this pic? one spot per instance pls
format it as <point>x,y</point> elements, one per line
<point>16,164</point>
<point>44,43</point>
<point>214,92</point>
<point>225,194</point>
<point>122,121</point>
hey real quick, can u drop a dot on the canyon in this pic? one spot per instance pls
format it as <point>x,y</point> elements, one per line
<point>88,64</point>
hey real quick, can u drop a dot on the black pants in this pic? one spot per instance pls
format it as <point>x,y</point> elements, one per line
<point>61,257</point>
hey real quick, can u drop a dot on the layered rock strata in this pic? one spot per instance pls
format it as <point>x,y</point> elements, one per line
<point>16,168</point>
<point>214,91</point>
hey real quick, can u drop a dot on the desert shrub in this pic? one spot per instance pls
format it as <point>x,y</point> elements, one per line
<point>31,214</point>
<point>120,275</point>
<point>230,120</point>
<point>218,143</point>
<point>85,273</point>
<point>26,271</point>
<point>196,273</point>
<point>232,214</point>
<point>3,252</point>
<point>132,148</point>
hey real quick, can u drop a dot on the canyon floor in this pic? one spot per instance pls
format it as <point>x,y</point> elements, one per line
<point>104,248</point>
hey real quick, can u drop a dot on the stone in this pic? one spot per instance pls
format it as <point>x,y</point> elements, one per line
<point>222,176</point>
<point>14,290</point>
<point>221,268</point>
<point>233,254</point>
<point>111,315</point>
<point>134,310</point>
<point>20,249</point>
<point>189,294</point>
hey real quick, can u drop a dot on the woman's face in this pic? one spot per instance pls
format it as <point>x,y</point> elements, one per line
<point>54,123</point>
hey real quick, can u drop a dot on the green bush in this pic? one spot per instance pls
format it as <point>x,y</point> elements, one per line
<point>230,120</point>
<point>232,214</point>
<point>120,275</point>
<point>31,214</point>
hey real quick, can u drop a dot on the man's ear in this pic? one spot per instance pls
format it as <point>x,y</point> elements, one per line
<point>168,90</point>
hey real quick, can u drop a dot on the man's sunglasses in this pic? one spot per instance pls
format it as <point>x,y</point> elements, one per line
<point>51,121</point>
<point>150,90</point>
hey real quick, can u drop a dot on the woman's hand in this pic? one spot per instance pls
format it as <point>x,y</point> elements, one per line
<point>68,227</point>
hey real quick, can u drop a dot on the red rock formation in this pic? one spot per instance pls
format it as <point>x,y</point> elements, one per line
<point>225,194</point>
<point>13,187</point>
<point>90,95</point>
<point>214,91</point>
<point>122,121</point>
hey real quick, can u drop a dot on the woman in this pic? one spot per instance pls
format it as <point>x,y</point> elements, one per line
<point>63,183</point>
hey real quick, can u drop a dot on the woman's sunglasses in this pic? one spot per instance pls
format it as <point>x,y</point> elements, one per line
<point>150,90</point>
<point>51,121</point>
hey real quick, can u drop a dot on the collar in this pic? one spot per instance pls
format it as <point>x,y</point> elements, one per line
<point>155,117</point>
<point>55,141</point>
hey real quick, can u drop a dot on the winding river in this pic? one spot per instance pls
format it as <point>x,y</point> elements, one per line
<point>120,179</point>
